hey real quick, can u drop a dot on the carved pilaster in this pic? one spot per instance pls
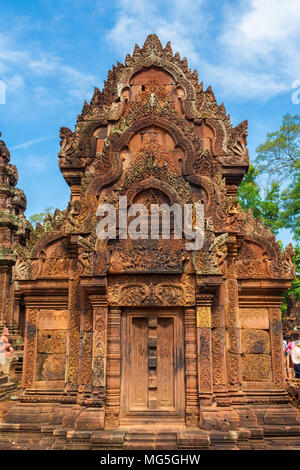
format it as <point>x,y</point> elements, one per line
<point>5,294</point>
<point>192,402</point>
<point>74,329</point>
<point>113,371</point>
<point>99,304</point>
<point>204,348</point>
<point>232,320</point>
<point>219,343</point>
<point>276,347</point>
<point>30,347</point>
<point>86,355</point>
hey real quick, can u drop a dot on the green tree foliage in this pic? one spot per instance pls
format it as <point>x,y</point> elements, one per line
<point>295,285</point>
<point>40,217</point>
<point>248,192</point>
<point>291,204</point>
<point>278,158</point>
<point>278,163</point>
<point>266,208</point>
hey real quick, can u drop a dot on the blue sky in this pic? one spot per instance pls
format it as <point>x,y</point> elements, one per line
<point>53,54</point>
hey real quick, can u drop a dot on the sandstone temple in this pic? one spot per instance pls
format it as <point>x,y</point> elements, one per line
<point>141,343</point>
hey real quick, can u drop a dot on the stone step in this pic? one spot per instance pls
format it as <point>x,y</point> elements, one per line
<point>6,388</point>
<point>3,379</point>
<point>144,439</point>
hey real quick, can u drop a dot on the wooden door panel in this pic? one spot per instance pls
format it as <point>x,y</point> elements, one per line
<point>138,360</point>
<point>152,382</point>
<point>165,364</point>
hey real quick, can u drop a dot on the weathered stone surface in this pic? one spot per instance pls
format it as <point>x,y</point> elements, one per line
<point>255,318</point>
<point>51,367</point>
<point>52,341</point>
<point>53,319</point>
<point>257,367</point>
<point>255,342</point>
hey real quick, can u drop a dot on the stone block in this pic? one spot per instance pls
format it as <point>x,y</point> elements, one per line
<point>53,319</point>
<point>256,367</point>
<point>50,367</point>
<point>90,419</point>
<point>52,341</point>
<point>255,342</point>
<point>254,318</point>
<point>219,420</point>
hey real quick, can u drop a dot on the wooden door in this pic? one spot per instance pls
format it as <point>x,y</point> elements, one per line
<point>152,385</point>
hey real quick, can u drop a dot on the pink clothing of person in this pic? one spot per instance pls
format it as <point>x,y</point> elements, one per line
<point>290,347</point>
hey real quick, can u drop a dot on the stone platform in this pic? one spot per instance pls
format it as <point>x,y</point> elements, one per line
<point>51,426</point>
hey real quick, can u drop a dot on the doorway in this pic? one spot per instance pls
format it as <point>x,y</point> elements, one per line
<point>152,379</point>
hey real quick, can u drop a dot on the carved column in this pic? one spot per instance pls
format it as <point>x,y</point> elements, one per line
<point>5,292</point>
<point>99,304</point>
<point>276,347</point>
<point>113,372</point>
<point>204,348</point>
<point>17,311</point>
<point>30,346</point>
<point>192,403</point>
<point>92,377</point>
<point>232,320</point>
<point>219,348</point>
<point>85,355</point>
<point>74,329</point>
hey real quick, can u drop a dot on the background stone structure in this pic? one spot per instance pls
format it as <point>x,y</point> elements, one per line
<point>121,334</point>
<point>291,323</point>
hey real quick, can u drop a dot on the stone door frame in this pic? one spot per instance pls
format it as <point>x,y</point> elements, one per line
<point>113,368</point>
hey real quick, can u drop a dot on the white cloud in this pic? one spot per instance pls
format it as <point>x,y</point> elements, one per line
<point>179,23</point>
<point>31,142</point>
<point>26,70</point>
<point>263,25</point>
<point>251,51</point>
<point>261,39</point>
<point>244,83</point>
